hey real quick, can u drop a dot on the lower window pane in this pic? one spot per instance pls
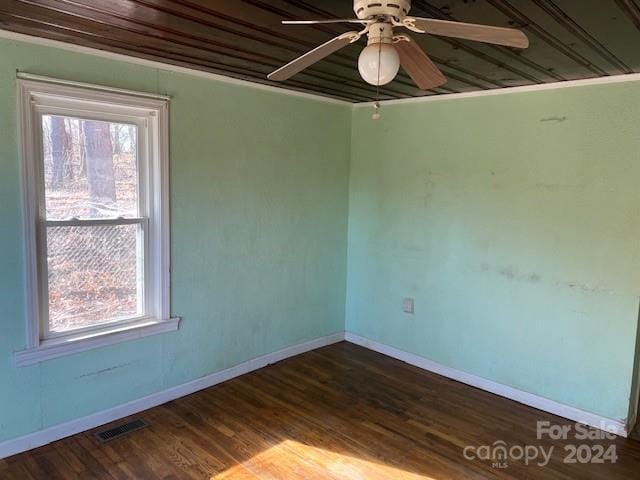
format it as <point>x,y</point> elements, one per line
<point>93,275</point>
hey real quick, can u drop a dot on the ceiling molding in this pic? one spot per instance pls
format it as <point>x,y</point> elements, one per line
<point>245,39</point>
<point>631,77</point>
<point>9,35</point>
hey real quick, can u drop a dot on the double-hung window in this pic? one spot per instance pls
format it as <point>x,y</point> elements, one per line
<point>96,216</point>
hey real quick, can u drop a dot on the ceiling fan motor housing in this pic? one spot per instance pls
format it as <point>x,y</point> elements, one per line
<point>367,9</point>
<point>381,32</point>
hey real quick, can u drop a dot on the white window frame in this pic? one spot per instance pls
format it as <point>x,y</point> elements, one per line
<point>38,96</point>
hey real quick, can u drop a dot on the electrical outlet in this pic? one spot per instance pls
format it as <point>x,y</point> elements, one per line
<point>407,305</point>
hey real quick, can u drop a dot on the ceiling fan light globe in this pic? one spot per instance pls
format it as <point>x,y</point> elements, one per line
<point>379,63</point>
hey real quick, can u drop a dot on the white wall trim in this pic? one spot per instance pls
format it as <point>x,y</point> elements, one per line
<point>635,394</point>
<point>614,426</point>
<point>61,347</point>
<point>57,432</point>
<point>37,98</point>
<point>89,86</point>
<point>8,35</point>
<point>631,77</point>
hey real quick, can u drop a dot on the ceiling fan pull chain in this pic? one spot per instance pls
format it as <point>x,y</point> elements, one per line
<point>376,111</point>
<point>376,106</point>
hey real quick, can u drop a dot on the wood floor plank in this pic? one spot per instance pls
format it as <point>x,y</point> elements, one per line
<point>341,412</point>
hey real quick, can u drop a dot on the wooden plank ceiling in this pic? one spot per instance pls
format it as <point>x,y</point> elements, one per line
<point>570,39</point>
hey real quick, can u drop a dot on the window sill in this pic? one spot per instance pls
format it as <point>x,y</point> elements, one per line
<point>59,347</point>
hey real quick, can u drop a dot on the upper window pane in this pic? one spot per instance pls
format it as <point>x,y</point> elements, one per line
<point>90,168</point>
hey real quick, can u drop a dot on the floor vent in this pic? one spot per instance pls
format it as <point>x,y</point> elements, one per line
<point>121,430</point>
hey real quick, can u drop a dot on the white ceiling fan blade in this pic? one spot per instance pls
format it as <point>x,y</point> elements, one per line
<point>509,37</point>
<point>418,65</point>
<point>315,55</point>
<point>320,22</point>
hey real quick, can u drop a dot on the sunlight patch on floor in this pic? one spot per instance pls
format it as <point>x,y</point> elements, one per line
<point>291,459</point>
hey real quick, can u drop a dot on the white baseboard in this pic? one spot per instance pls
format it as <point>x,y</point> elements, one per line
<point>614,426</point>
<point>57,432</point>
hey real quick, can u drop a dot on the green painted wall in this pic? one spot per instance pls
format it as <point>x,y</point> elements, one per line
<point>514,222</point>
<point>259,190</point>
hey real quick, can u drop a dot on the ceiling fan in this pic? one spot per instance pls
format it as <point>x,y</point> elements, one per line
<point>385,52</point>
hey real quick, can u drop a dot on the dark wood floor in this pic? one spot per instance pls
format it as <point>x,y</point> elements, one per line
<point>338,412</point>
